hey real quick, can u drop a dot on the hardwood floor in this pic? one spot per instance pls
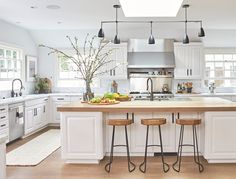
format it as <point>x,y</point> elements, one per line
<point>54,168</point>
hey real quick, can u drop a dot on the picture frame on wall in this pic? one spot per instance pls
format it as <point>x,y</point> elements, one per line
<point>31,68</point>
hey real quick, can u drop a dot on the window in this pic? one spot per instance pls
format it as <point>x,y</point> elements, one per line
<point>68,75</point>
<point>10,65</point>
<point>220,68</point>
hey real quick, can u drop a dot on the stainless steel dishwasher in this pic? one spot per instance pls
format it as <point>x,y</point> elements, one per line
<point>16,121</point>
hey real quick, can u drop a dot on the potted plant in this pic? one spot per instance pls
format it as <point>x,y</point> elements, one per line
<point>89,60</point>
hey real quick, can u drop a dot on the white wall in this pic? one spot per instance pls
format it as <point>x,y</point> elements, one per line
<point>16,36</point>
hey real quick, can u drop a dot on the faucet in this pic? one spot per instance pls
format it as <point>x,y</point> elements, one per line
<point>151,94</point>
<point>12,89</point>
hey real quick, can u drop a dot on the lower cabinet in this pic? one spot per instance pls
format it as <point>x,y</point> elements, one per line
<point>36,115</point>
<point>82,137</point>
<point>220,134</point>
<point>58,101</point>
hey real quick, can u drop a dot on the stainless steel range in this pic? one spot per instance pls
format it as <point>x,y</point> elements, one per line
<point>151,86</point>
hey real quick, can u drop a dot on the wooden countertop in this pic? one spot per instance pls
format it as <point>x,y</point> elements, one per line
<point>192,104</point>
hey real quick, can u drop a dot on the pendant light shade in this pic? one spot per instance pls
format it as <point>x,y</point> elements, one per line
<point>101,33</point>
<point>151,39</point>
<point>116,40</point>
<point>201,33</point>
<point>186,39</point>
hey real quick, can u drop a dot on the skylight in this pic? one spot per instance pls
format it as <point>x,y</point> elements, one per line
<point>150,8</point>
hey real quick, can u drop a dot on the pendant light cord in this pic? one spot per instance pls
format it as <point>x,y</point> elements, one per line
<point>151,27</point>
<point>116,21</point>
<point>186,21</point>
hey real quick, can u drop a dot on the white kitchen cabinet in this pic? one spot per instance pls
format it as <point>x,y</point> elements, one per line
<point>117,69</point>
<point>188,61</point>
<point>188,132</point>
<point>29,120</point>
<point>220,134</point>
<point>82,137</point>
<point>36,114</point>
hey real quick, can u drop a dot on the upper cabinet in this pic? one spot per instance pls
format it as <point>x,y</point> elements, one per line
<point>117,68</point>
<point>188,60</point>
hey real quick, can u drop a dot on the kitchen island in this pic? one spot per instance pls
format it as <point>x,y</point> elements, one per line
<point>86,138</point>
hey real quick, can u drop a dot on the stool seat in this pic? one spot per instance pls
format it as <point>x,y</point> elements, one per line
<point>153,121</point>
<point>188,121</point>
<point>119,122</point>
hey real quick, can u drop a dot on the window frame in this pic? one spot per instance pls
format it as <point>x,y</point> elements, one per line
<point>57,72</point>
<point>220,51</point>
<point>21,59</point>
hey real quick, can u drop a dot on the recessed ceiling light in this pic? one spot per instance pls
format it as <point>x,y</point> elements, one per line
<point>53,6</point>
<point>18,22</point>
<point>34,7</point>
<point>150,8</point>
<point>59,22</point>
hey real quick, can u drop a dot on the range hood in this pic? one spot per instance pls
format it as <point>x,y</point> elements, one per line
<point>143,55</point>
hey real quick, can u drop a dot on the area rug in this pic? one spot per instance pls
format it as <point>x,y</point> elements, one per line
<point>36,150</point>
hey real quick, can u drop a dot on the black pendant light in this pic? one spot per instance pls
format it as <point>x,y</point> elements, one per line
<point>151,39</point>
<point>101,33</point>
<point>186,39</point>
<point>202,32</point>
<point>116,39</point>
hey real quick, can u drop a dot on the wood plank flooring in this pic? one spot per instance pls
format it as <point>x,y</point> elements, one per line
<point>55,168</point>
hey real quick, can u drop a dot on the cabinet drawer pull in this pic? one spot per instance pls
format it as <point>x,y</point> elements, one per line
<point>3,125</point>
<point>191,72</point>
<point>3,117</point>
<point>2,109</point>
<point>45,99</point>
<point>173,118</point>
<point>114,72</point>
<point>187,72</point>
<point>110,72</point>
<point>60,98</point>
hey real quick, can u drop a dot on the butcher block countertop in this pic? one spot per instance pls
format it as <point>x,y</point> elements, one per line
<point>190,104</point>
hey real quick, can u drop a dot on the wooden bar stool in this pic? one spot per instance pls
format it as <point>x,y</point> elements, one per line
<point>193,123</point>
<point>153,122</point>
<point>114,123</point>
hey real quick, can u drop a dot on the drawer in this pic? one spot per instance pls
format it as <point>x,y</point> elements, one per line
<point>4,125</point>
<point>61,98</point>
<point>3,117</point>
<point>3,109</point>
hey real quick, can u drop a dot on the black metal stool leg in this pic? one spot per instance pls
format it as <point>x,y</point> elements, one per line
<point>179,154</point>
<point>128,155</point>
<point>195,145</point>
<point>145,155</point>
<point>165,165</point>
<point>108,165</point>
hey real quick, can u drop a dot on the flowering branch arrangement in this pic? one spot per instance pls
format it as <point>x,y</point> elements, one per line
<point>89,59</point>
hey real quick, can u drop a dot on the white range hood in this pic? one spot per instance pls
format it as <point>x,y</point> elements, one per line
<point>144,55</point>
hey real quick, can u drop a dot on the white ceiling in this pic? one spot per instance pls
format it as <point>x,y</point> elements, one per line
<point>87,14</point>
